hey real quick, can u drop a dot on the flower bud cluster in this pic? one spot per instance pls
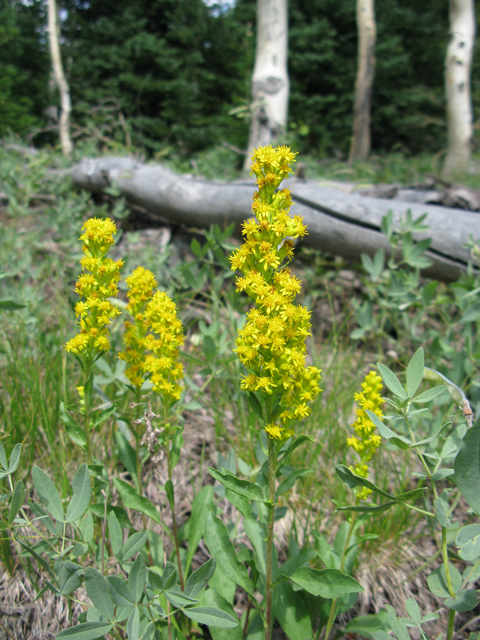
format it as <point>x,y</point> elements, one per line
<point>272,343</point>
<point>96,284</point>
<point>367,441</point>
<point>153,340</point>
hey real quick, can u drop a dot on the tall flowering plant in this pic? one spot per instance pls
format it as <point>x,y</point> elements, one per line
<point>95,312</point>
<point>272,343</point>
<point>152,343</point>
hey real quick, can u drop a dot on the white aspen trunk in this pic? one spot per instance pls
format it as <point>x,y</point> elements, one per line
<point>270,85</point>
<point>61,81</point>
<point>367,31</point>
<point>457,87</point>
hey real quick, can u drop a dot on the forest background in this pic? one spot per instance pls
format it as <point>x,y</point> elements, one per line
<point>176,69</point>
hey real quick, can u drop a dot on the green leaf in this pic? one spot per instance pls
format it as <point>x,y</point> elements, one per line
<point>465,600</point>
<point>211,616</point>
<point>133,625</point>
<point>170,491</point>
<point>99,593</point>
<point>326,583</point>
<point>410,495</point>
<point>137,577</point>
<point>242,487</point>
<point>392,382</point>
<point>212,598</point>
<point>133,545</point>
<point>104,415</point>
<point>467,467</point>
<point>256,535</point>
<point>199,578</point>
<point>202,505</point>
<point>295,444</point>
<point>17,500</point>
<point>400,441</point>
<point>127,454</point>
<point>73,429</point>
<point>441,508</point>
<point>47,492</point>
<point>413,610</point>
<point>430,394</point>
<point>70,577</point>
<point>255,405</point>
<point>468,542</point>
<point>437,581</point>
<point>179,599</point>
<point>82,493</point>
<point>352,481</point>
<point>10,305</point>
<point>221,548</point>
<point>115,533</point>
<point>120,592</point>
<point>367,507</point>
<point>31,551</point>
<point>3,458</point>
<point>290,480</point>
<point>415,372</point>
<point>132,500</point>
<point>14,458</point>
<point>86,631</point>
<point>292,613</point>
<point>177,446</point>
<point>365,625</point>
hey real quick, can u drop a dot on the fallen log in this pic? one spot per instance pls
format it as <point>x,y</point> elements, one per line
<point>339,223</point>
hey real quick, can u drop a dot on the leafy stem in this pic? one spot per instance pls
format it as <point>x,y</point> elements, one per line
<point>272,472</point>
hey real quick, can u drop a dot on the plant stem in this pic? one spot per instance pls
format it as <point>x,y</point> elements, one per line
<point>136,432</point>
<point>88,446</point>
<point>333,608</point>
<point>174,519</point>
<point>272,472</point>
<point>451,623</point>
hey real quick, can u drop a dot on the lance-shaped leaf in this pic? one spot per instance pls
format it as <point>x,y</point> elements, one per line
<point>211,616</point>
<point>467,467</point>
<point>221,548</point>
<point>326,583</point>
<point>132,500</point>
<point>352,481</point>
<point>99,593</point>
<point>415,372</point>
<point>400,441</point>
<point>392,382</point>
<point>202,505</point>
<point>242,487</point>
<point>82,492</point>
<point>73,429</point>
<point>47,492</point>
<point>86,631</point>
<point>199,578</point>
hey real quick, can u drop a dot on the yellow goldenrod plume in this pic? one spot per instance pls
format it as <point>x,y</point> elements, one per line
<point>272,343</point>
<point>365,442</point>
<point>96,284</point>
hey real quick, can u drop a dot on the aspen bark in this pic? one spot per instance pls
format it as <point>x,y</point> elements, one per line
<point>457,87</point>
<point>61,81</point>
<point>360,147</point>
<point>270,84</point>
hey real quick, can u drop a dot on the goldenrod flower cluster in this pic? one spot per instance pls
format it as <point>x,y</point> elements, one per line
<point>96,284</point>
<point>153,340</point>
<point>367,441</point>
<point>272,343</point>
<point>141,285</point>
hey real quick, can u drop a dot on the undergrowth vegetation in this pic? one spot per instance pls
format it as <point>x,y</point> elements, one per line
<point>88,500</point>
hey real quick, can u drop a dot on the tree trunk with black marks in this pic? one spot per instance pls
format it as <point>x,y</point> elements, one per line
<point>457,87</point>
<point>360,147</point>
<point>338,223</point>
<point>61,81</point>
<point>270,84</point>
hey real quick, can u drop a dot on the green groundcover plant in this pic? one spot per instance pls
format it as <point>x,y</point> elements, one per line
<point>137,590</point>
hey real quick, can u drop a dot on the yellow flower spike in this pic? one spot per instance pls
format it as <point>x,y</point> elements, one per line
<point>272,343</point>
<point>96,284</point>
<point>365,443</point>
